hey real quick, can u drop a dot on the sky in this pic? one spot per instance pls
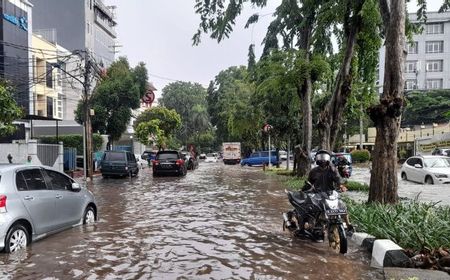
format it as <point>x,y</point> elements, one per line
<point>159,33</point>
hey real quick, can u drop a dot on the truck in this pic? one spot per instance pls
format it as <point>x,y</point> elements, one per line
<point>231,152</point>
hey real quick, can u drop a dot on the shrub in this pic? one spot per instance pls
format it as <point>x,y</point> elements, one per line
<point>356,186</point>
<point>360,155</point>
<point>412,225</point>
<point>73,141</point>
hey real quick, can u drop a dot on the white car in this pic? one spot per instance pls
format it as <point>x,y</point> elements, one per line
<point>140,162</point>
<point>427,169</point>
<point>283,155</point>
<point>211,157</point>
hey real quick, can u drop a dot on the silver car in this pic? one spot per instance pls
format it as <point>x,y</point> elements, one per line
<point>427,169</point>
<point>36,201</point>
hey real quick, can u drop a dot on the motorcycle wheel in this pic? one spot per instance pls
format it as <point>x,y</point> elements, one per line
<point>337,239</point>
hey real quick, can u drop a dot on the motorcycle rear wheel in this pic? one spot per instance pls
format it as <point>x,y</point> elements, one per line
<point>337,239</point>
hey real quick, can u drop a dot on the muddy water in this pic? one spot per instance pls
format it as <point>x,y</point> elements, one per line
<point>218,222</point>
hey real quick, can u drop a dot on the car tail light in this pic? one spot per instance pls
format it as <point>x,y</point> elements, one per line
<point>2,203</point>
<point>155,162</point>
<point>179,162</point>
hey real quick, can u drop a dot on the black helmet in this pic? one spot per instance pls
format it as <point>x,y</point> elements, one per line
<point>323,158</point>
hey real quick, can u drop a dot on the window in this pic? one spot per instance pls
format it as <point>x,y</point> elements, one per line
<point>57,181</point>
<point>264,154</point>
<point>413,48</point>
<point>20,182</point>
<point>411,66</point>
<point>34,179</point>
<point>434,46</point>
<point>434,83</point>
<point>49,75</point>
<point>114,156</point>
<point>411,84</point>
<point>254,155</point>
<point>435,28</point>
<point>434,65</point>
<point>412,161</point>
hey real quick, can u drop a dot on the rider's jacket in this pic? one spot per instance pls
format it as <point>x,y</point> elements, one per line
<point>324,179</point>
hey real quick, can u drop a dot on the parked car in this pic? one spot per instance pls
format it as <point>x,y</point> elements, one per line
<point>192,162</point>
<point>211,157</point>
<point>441,152</point>
<point>260,158</point>
<point>283,155</point>
<point>202,156</point>
<point>142,163</point>
<point>427,169</point>
<point>118,163</point>
<point>169,162</point>
<point>36,201</point>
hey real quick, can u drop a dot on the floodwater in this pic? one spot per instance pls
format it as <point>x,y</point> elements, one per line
<point>218,222</point>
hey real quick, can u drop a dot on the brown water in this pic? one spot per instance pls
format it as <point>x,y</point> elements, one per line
<point>218,222</point>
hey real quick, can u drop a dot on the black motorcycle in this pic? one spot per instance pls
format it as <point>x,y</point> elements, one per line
<point>317,213</point>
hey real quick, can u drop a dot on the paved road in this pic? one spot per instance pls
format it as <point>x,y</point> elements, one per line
<point>218,222</point>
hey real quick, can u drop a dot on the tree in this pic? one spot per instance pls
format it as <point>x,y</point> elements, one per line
<point>157,125</point>
<point>426,107</point>
<point>9,111</point>
<point>115,97</point>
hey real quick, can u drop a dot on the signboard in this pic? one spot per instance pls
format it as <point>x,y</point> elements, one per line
<point>21,22</point>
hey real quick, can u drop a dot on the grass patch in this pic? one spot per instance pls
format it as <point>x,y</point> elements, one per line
<point>412,225</point>
<point>356,186</point>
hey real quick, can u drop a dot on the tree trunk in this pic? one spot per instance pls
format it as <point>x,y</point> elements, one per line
<point>329,118</point>
<point>386,115</point>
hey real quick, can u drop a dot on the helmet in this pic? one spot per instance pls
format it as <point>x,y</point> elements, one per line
<point>323,158</point>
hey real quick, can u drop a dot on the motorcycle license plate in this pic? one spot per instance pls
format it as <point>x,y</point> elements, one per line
<point>334,212</point>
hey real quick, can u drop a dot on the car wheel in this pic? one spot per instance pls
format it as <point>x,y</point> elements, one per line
<point>429,180</point>
<point>404,177</point>
<point>17,238</point>
<point>89,216</point>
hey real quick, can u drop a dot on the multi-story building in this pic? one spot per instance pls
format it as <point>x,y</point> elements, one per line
<point>427,65</point>
<point>15,39</point>
<point>80,25</point>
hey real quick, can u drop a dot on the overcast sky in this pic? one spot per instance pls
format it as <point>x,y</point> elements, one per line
<point>159,33</point>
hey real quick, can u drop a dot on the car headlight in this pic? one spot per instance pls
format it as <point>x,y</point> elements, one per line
<point>441,175</point>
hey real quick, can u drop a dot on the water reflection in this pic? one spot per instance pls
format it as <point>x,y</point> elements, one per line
<point>218,222</point>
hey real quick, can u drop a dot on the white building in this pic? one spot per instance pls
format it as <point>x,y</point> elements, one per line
<point>427,65</point>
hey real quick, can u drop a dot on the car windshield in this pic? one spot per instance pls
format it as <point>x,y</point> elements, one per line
<point>437,162</point>
<point>167,156</point>
<point>112,156</point>
<point>210,155</point>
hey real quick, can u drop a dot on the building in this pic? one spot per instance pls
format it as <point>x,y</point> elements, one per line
<point>80,25</point>
<point>15,39</point>
<point>427,64</point>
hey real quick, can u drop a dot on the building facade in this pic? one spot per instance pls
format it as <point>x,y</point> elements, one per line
<point>427,65</point>
<point>15,53</point>
<point>80,25</point>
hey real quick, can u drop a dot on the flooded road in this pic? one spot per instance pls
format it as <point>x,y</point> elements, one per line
<point>218,222</point>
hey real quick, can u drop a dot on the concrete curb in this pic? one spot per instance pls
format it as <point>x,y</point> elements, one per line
<point>385,253</point>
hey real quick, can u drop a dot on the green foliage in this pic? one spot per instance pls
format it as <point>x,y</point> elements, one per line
<point>73,141</point>
<point>412,225</point>
<point>426,107</point>
<point>356,186</point>
<point>360,155</point>
<point>157,125</point>
<point>115,97</point>
<point>9,111</point>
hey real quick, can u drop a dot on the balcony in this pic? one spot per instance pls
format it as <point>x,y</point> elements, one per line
<point>105,24</point>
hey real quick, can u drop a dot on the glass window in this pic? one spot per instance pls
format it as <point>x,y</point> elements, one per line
<point>411,84</point>
<point>434,46</point>
<point>434,83</point>
<point>411,66</point>
<point>413,48</point>
<point>114,156</point>
<point>264,154</point>
<point>49,75</point>
<point>167,156</point>
<point>254,155</point>
<point>20,182</point>
<point>57,181</point>
<point>34,179</point>
<point>435,28</point>
<point>411,161</point>
<point>434,65</point>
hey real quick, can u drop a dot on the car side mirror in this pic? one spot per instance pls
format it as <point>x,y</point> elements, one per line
<point>76,187</point>
<point>417,165</point>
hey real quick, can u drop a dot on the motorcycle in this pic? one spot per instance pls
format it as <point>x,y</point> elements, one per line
<point>344,170</point>
<point>317,213</point>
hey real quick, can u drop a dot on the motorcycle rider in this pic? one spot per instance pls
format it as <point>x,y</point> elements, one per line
<point>325,177</point>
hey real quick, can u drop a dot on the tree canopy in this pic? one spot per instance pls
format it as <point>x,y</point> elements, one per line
<point>9,111</point>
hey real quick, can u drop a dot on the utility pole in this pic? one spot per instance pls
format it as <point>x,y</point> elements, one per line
<point>88,171</point>
<point>361,129</point>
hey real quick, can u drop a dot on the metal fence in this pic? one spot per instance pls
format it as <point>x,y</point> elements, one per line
<point>47,153</point>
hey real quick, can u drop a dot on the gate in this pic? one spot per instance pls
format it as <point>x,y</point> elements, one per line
<point>47,153</point>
